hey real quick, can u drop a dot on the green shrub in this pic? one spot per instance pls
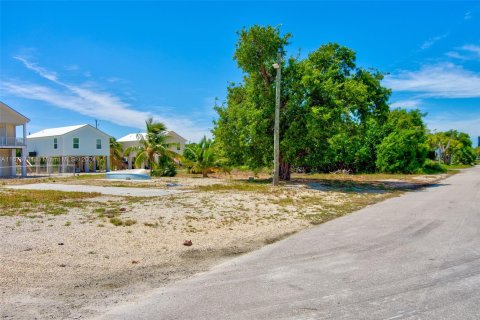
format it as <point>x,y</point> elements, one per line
<point>168,170</point>
<point>431,167</point>
<point>116,222</point>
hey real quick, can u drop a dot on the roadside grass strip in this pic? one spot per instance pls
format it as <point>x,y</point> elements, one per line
<point>25,202</point>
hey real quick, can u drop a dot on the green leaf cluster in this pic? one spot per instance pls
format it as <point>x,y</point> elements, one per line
<point>451,147</point>
<point>201,157</point>
<point>404,148</point>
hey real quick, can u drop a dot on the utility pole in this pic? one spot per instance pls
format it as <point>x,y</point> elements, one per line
<point>276,128</point>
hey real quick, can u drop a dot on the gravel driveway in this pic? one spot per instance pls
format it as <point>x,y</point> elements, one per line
<point>115,191</point>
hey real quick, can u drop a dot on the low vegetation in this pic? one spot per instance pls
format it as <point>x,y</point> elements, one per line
<point>25,202</point>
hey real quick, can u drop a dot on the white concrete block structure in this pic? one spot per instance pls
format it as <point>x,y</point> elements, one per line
<point>13,129</point>
<point>176,141</point>
<point>76,148</point>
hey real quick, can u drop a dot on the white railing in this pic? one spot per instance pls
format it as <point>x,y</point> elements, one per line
<point>12,141</point>
<point>7,171</point>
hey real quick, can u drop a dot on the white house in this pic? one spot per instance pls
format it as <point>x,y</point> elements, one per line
<point>10,123</point>
<point>177,143</point>
<point>75,147</point>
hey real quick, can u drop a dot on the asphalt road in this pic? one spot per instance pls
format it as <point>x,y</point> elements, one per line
<point>412,257</point>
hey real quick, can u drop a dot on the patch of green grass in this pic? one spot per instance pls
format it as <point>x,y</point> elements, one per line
<point>237,186</point>
<point>129,222</point>
<point>119,222</point>
<point>24,202</point>
<point>116,221</point>
<point>458,166</point>
<point>151,225</point>
<point>67,224</point>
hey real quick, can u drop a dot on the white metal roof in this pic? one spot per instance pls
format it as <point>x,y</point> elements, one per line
<point>55,131</point>
<point>133,136</point>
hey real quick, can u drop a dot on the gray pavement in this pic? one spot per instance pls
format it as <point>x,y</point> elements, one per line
<point>412,257</point>
<point>115,191</point>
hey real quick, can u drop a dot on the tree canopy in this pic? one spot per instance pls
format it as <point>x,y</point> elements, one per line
<point>331,111</point>
<point>334,115</point>
<point>452,147</point>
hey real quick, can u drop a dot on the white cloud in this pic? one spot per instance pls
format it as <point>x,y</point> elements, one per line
<point>444,80</point>
<point>470,126</point>
<point>407,104</point>
<point>72,67</point>
<point>466,52</point>
<point>430,42</point>
<point>468,15</point>
<point>95,103</point>
<point>456,55</point>
<point>472,49</point>
<point>52,76</point>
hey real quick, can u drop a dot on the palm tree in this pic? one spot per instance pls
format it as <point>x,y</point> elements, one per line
<point>201,156</point>
<point>116,153</point>
<point>152,145</point>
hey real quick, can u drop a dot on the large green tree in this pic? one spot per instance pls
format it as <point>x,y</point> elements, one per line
<point>452,147</point>
<point>331,114</point>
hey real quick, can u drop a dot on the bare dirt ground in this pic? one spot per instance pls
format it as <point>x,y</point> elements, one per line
<point>81,256</point>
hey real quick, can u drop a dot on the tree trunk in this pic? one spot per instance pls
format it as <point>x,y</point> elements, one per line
<point>205,173</point>
<point>284,170</point>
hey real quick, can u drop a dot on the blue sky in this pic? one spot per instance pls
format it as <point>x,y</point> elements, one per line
<point>67,63</point>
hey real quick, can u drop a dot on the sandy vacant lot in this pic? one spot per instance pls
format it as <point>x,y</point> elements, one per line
<point>64,257</point>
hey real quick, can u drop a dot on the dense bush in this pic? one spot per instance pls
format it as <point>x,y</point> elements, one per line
<point>404,149</point>
<point>431,167</point>
<point>167,170</point>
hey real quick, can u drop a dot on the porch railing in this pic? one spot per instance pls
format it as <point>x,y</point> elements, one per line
<point>11,141</point>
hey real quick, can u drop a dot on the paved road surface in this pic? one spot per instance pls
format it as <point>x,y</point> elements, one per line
<point>116,191</point>
<point>412,257</point>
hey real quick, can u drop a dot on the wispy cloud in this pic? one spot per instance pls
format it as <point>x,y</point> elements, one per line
<point>72,67</point>
<point>468,15</point>
<point>466,52</point>
<point>407,104</point>
<point>52,76</point>
<point>444,80</point>
<point>430,42</point>
<point>94,102</point>
<point>449,121</point>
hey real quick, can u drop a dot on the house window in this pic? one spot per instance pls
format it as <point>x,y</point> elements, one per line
<point>178,146</point>
<point>76,143</point>
<point>99,143</point>
<point>55,143</point>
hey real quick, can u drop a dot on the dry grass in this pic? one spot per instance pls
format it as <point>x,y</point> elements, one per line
<point>235,186</point>
<point>24,202</point>
<point>368,177</point>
